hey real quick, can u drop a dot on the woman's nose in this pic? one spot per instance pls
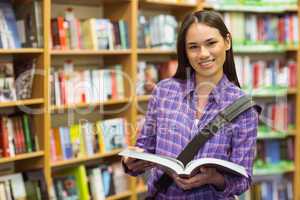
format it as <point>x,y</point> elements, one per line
<point>203,52</point>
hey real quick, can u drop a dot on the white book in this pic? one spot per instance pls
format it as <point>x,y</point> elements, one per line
<point>120,81</point>
<point>10,131</point>
<point>176,166</point>
<point>17,185</point>
<point>97,190</point>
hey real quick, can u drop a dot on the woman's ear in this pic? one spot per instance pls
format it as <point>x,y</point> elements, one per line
<point>228,42</point>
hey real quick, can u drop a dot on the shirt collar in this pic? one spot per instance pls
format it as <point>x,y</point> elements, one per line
<point>216,94</point>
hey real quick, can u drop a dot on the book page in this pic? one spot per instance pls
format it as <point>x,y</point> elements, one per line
<point>165,162</point>
<point>222,165</point>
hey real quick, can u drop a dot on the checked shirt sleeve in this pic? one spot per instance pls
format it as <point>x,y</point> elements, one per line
<point>243,153</point>
<point>147,137</point>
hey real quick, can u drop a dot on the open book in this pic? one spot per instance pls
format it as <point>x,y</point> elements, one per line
<point>176,166</point>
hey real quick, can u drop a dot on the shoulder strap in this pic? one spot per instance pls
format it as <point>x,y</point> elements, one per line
<point>227,115</point>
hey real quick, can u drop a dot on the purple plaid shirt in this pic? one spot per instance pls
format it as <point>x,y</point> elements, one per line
<point>171,124</point>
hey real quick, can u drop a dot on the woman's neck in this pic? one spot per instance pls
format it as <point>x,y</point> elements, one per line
<point>204,85</point>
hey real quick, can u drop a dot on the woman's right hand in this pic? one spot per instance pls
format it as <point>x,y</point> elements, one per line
<point>135,165</point>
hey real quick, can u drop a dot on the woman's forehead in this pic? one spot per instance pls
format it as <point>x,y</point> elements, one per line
<point>202,32</point>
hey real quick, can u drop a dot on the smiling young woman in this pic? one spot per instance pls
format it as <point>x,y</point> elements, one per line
<point>205,84</point>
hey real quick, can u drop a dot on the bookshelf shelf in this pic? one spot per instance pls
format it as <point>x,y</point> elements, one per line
<point>263,48</point>
<point>24,156</point>
<point>292,91</point>
<point>142,189</point>
<point>275,171</point>
<point>76,161</point>
<point>85,105</point>
<point>165,5</point>
<point>119,196</point>
<point>88,3</point>
<point>21,51</point>
<point>156,51</point>
<point>269,92</point>
<point>254,8</point>
<point>22,102</point>
<point>275,135</point>
<point>90,52</point>
<point>143,98</point>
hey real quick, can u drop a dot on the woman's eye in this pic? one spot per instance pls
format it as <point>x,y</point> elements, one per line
<point>192,47</point>
<point>212,43</point>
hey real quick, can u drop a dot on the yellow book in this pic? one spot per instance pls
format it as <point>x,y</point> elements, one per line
<point>100,137</point>
<point>75,141</point>
<point>89,34</point>
<point>81,137</point>
<point>58,148</point>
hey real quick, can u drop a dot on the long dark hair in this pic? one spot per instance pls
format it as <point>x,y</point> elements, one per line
<point>212,19</point>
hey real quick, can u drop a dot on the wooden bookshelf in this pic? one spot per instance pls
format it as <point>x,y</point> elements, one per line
<point>90,52</point>
<point>165,5</point>
<point>143,98</point>
<point>21,51</point>
<point>25,156</point>
<point>128,10</point>
<point>89,3</point>
<point>81,160</point>
<point>55,108</point>
<point>156,51</point>
<point>252,8</point>
<point>119,196</point>
<point>27,102</point>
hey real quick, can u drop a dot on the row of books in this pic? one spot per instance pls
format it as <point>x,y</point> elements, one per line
<point>22,27</point>
<point>17,135</point>
<point>272,73</point>
<point>86,138</point>
<point>277,116</point>
<point>152,31</point>
<point>27,185</point>
<point>149,73</point>
<point>16,79</point>
<point>279,188</point>
<point>273,152</point>
<point>267,28</point>
<point>90,182</point>
<point>9,36</point>
<point>69,32</point>
<point>71,86</point>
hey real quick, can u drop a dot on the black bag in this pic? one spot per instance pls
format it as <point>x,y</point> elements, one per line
<point>227,115</point>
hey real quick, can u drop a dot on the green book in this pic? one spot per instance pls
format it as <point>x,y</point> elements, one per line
<point>27,133</point>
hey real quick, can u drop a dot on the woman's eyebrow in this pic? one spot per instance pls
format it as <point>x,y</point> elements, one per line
<point>207,40</point>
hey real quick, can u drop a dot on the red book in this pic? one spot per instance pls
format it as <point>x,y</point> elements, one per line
<point>55,34</point>
<point>281,35</point>
<point>292,74</point>
<point>62,33</point>
<point>21,134</point>
<point>4,137</point>
<point>114,94</point>
<point>62,84</point>
<point>255,74</point>
<point>79,34</point>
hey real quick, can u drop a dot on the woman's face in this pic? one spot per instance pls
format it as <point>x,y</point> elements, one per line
<point>206,50</point>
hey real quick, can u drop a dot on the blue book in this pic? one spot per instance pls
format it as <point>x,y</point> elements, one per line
<point>272,148</point>
<point>10,19</point>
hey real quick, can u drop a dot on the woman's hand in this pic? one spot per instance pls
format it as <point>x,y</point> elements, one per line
<point>206,175</point>
<point>135,165</point>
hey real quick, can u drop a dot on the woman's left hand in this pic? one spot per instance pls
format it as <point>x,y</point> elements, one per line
<point>207,175</point>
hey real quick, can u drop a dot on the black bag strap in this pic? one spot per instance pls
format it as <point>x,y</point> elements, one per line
<point>191,149</point>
